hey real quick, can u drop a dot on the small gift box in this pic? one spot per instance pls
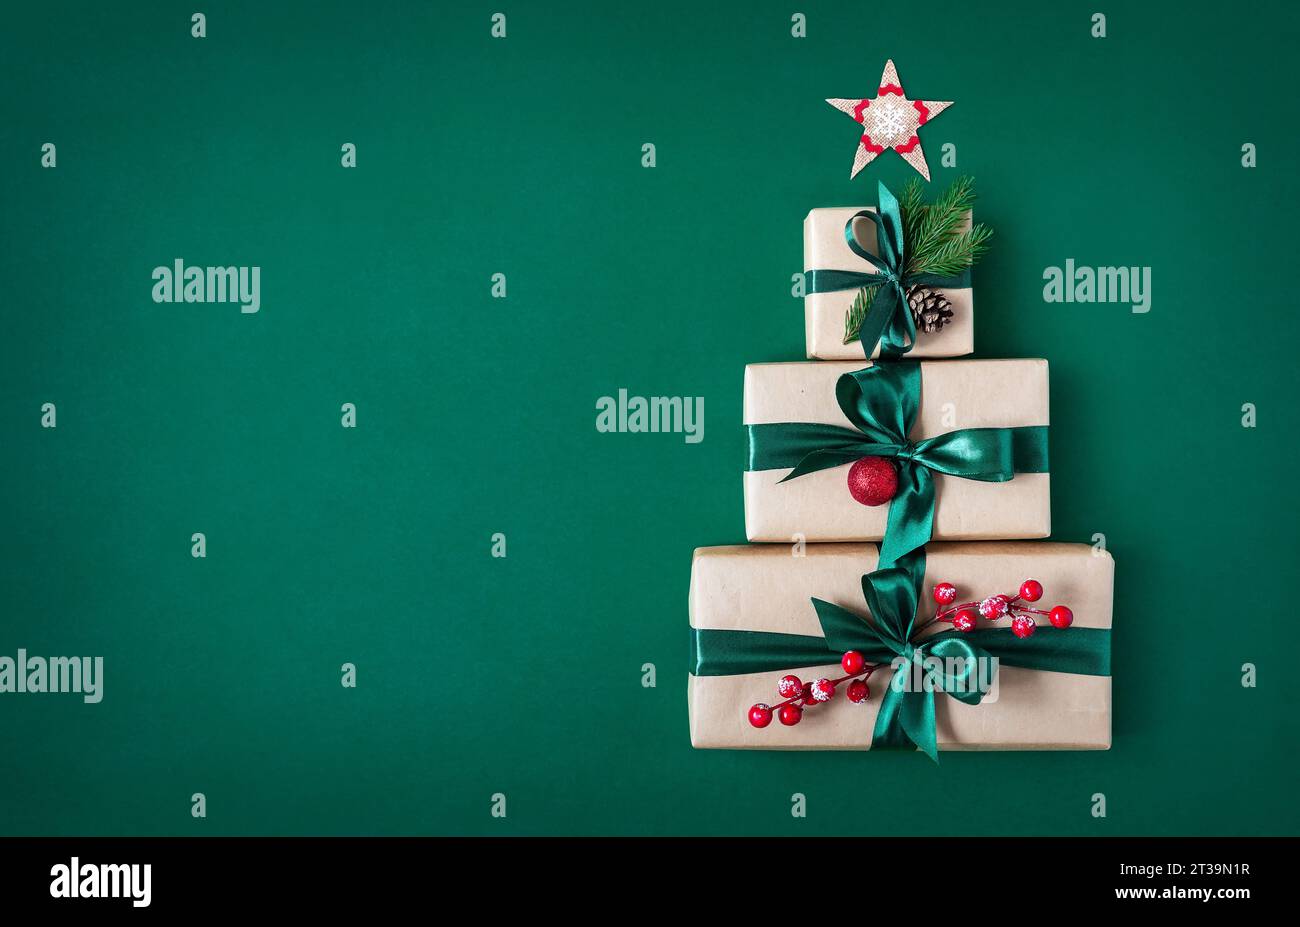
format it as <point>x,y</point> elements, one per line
<point>965,443</point>
<point>805,652</point>
<point>943,316</point>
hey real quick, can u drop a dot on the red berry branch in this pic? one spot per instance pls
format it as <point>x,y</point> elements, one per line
<point>964,616</point>
<point>799,695</point>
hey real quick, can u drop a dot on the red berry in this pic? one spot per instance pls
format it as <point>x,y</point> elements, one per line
<point>760,715</point>
<point>945,593</point>
<point>790,714</point>
<point>1060,617</point>
<point>1023,626</point>
<point>822,690</point>
<point>873,481</point>
<point>994,607</point>
<point>964,620</point>
<point>858,691</point>
<point>789,686</point>
<point>853,662</point>
<point>1031,590</point>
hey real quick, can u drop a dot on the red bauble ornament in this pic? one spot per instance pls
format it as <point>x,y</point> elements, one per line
<point>873,481</point>
<point>1060,617</point>
<point>994,607</point>
<point>964,620</point>
<point>1023,626</point>
<point>822,690</point>
<point>760,715</point>
<point>790,714</point>
<point>789,686</point>
<point>858,691</point>
<point>945,593</point>
<point>853,662</point>
<point>1031,590</point>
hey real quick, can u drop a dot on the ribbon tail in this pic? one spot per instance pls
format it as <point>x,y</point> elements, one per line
<point>906,718</point>
<point>911,514</point>
<point>888,733</point>
<point>884,307</point>
<point>826,458</point>
<point>917,719</point>
<point>900,334</point>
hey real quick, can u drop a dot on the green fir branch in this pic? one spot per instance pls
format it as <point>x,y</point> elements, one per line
<point>911,206</point>
<point>939,222</point>
<point>956,254</point>
<point>858,312</point>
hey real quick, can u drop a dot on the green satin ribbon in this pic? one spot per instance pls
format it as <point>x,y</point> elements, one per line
<point>906,717</point>
<point>889,321</point>
<point>882,402</point>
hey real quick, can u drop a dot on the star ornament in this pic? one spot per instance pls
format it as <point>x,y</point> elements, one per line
<point>891,120</point>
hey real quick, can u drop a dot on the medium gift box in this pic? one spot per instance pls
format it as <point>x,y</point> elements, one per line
<point>966,441</point>
<point>830,236</point>
<point>774,627</point>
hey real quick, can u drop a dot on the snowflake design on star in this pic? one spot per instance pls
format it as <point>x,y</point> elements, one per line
<point>892,125</point>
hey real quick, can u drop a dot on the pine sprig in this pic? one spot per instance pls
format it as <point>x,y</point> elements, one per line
<point>858,312</point>
<point>957,253</point>
<point>933,240</point>
<point>911,206</point>
<point>938,223</point>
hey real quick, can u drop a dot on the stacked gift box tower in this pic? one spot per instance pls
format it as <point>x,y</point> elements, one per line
<point>797,640</point>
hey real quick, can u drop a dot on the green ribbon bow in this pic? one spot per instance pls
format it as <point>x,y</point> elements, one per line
<point>889,321</point>
<point>882,402</point>
<point>906,717</point>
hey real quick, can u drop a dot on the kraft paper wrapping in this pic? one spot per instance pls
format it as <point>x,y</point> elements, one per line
<point>824,248</point>
<point>954,394</point>
<point>765,588</point>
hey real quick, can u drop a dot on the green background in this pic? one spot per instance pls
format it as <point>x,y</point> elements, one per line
<point>476,415</point>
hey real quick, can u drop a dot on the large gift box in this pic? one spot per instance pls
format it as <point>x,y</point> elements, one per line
<point>753,620</point>
<point>972,455</point>
<point>825,247</point>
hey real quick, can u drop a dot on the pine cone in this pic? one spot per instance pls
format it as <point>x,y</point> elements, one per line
<point>931,310</point>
